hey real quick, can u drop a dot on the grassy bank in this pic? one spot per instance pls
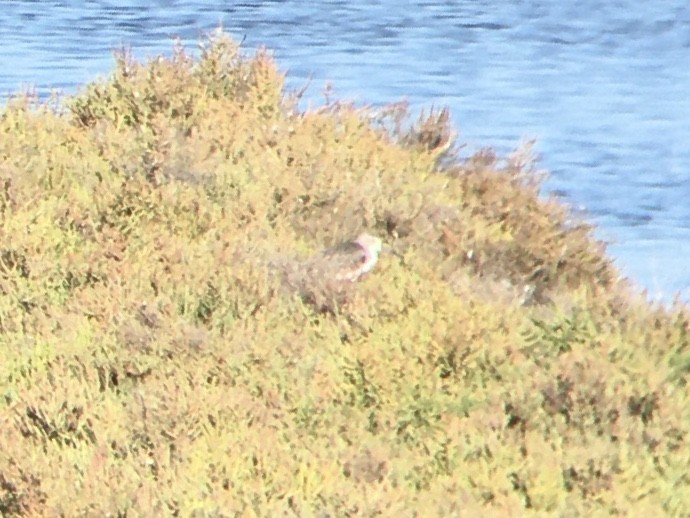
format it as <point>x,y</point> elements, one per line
<point>155,361</point>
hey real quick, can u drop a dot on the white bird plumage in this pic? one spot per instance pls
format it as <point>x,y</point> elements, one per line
<point>351,260</point>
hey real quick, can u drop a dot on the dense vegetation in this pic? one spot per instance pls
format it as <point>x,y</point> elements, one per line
<point>154,361</point>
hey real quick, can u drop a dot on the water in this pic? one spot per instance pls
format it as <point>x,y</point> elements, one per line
<point>604,86</point>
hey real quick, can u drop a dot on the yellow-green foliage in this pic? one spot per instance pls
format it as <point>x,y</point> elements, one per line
<point>152,363</point>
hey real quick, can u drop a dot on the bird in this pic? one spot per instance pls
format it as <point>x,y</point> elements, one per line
<point>327,279</point>
<point>349,261</point>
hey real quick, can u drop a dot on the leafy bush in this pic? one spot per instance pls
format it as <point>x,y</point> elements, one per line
<point>158,359</point>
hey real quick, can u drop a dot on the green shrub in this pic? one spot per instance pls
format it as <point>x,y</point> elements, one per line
<point>156,357</point>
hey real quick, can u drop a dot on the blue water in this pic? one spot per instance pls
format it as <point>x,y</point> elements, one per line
<point>604,86</point>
